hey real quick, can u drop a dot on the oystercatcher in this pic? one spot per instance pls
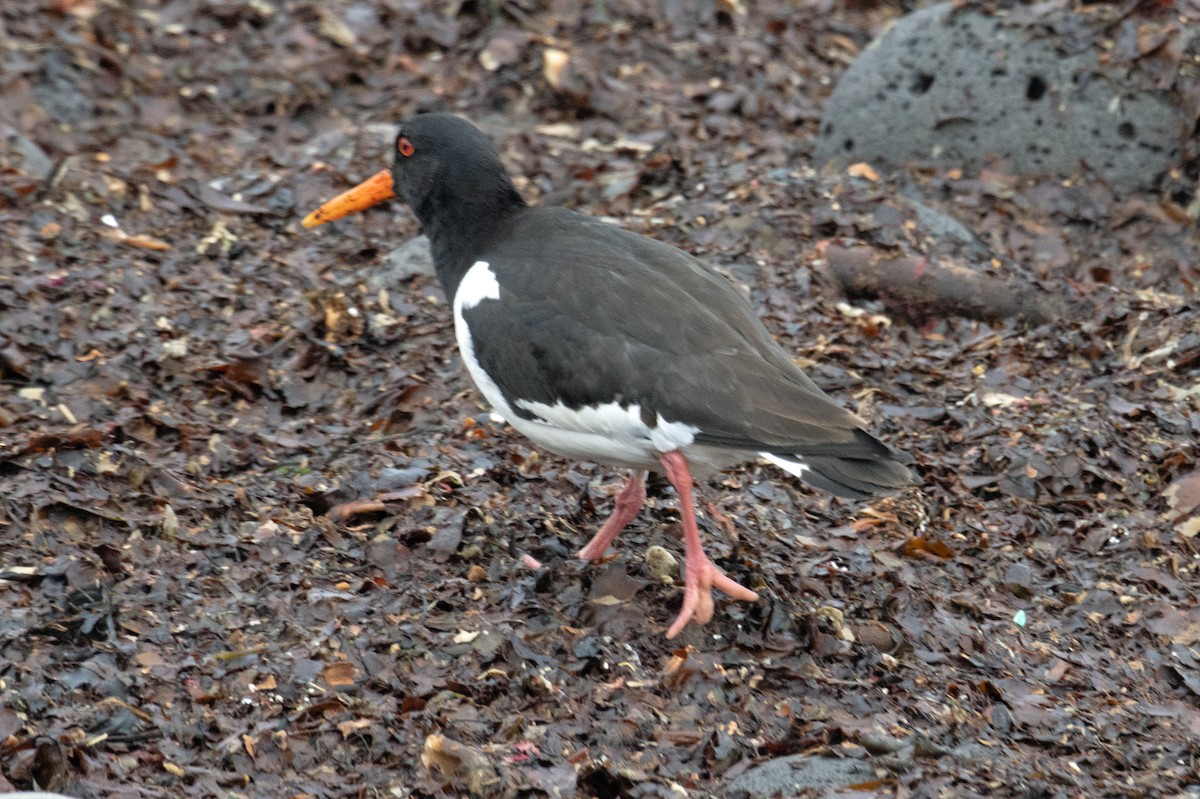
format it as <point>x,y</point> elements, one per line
<point>606,346</point>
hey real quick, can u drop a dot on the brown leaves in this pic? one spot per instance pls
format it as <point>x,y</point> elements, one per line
<point>1183,500</point>
<point>340,318</point>
<point>135,240</point>
<point>353,726</point>
<point>463,764</point>
<point>1181,627</point>
<point>247,380</point>
<point>77,438</point>
<point>917,547</point>
<point>340,674</point>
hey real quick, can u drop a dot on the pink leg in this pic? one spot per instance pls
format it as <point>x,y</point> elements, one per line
<point>701,574</point>
<point>629,501</point>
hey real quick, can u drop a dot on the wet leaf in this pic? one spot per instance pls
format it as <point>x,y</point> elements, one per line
<point>918,547</point>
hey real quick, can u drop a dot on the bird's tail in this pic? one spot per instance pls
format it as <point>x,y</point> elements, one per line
<point>856,470</point>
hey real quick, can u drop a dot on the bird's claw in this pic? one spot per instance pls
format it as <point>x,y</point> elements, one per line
<point>701,579</point>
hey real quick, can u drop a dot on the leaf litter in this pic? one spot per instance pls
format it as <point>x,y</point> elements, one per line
<point>258,536</point>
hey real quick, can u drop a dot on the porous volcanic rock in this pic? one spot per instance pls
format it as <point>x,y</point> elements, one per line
<point>1050,92</point>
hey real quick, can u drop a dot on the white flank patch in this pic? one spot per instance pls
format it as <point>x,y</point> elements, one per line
<point>792,466</point>
<point>669,436</point>
<point>605,433</point>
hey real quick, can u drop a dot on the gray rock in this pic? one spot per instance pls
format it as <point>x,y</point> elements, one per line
<point>19,152</point>
<point>941,226</point>
<point>410,258</point>
<point>366,145</point>
<point>61,88</point>
<point>961,86</point>
<point>785,776</point>
<point>1019,580</point>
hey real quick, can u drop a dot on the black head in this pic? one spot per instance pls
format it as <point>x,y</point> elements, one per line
<point>445,165</point>
<point>448,172</point>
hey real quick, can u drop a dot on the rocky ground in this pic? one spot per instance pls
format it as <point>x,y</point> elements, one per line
<point>202,596</point>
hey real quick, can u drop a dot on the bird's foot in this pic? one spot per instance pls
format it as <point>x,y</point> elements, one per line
<point>702,577</point>
<point>629,501</point>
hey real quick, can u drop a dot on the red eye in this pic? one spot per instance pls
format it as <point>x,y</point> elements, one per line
<point>405,147</point>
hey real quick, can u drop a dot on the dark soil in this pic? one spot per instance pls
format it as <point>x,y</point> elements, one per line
<point>194,388</point>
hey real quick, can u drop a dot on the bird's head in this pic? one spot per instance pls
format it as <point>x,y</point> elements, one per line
<point>438,159</point>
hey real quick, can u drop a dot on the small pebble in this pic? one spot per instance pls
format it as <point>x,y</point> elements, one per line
<point>662,564</point>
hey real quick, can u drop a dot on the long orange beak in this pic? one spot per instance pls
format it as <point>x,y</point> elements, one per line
<point>372,191</point>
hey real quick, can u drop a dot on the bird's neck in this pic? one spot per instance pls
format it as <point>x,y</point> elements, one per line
<point>460,229</point>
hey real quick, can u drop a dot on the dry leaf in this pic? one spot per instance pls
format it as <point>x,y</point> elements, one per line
<point>148,659</point>
<point>918,547</point>
<point>335,29</point>
<point>862,170</point>
<point>553,63</point>
<point>144,242</point>
<point>348,728</point>
<point>1183,498</point>
<point>341,673</point>
<point>459,761</point>
<point>105,464</point>
<point>170,523</point>
<point>1183,495</point>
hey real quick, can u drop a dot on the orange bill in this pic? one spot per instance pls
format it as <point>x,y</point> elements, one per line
<point>372,191</point>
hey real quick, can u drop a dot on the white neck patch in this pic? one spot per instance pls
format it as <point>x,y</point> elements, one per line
<point>477,285</point>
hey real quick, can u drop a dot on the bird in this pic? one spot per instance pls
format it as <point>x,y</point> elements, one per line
<point>607,346</point>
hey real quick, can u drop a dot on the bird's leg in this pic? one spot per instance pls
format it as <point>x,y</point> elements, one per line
<point>701,574</point>
<point>628,502</point>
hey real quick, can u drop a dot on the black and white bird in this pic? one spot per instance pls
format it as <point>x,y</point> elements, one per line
<point>606,346</point>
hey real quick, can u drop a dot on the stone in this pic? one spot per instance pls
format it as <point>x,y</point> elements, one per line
<point>788,776</point>
<point>409,259</point>
<point>961,86</point>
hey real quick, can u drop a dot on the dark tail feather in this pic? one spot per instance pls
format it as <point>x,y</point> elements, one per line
<point>857,479</point>
<point>860,469</point>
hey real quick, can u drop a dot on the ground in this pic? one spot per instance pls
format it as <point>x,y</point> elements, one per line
<point>202,595</point>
